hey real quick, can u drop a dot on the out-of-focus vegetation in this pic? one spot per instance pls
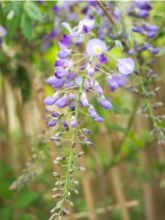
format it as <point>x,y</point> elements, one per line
<point>126,166</point>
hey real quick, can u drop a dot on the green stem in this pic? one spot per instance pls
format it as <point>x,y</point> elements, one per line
<point>70,164</point>
<point>104,9</point>
<point>77,107</point>
<point>147,103</point>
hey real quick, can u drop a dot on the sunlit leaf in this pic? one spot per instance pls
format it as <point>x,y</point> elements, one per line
<point>33,11</point>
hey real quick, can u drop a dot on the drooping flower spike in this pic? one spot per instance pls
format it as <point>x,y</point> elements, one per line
<point>75,81</point>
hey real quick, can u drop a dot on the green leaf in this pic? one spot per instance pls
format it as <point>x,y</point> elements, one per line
<point>5,213</point>
<point>115,127</point>
<point>13,24</point>
<point>26,198</point>
<point>12,28</point>
<point>33,11</point>
<point>26,27</point>
<point>26,217</point>
<point>118,44</point>
<point>130,35</point>
<point>4,190</point>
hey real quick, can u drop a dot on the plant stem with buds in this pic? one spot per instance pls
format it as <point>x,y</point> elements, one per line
<point>70,164</point>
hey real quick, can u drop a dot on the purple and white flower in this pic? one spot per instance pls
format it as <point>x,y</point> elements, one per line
<point>73,122</point>
<point>96,47</point>
<point>117,81</point>
<point>105,103</point>
<point>3,32</point>
<point>62,101</point>
<point>84,100</point>
<point>125,66</point>
<point>52,123</point>
<point>85,25</point>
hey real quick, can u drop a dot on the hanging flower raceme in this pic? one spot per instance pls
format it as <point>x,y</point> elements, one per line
<point>76,79</point>
<point>148,31</point>
<point>140,9</point>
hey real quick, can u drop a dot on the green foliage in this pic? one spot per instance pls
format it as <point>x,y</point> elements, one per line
<point>5,213</point>
<point>21,79</point>
<point>14,22</point>
<point>26,27</point>
<point>26,217</point>
<point>26,199</point>
<point>20,16</point>
<point>33,11</point>
<point>4,190</point>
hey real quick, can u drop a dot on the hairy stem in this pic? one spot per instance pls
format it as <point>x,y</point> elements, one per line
<point>70,165</point>
<point>147,103</point>
<point>104,9</point>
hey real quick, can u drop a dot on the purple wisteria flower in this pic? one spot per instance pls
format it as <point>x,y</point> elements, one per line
<point>64,51</point>
<point>117,81</point>
<point>94,114</point>
<point>144,5</point>
<point>104,102</point>
<point>125,66</point>
<point>84,100</point>
<point>148,30</point>
<point>60,72</point>
<point>3,33</point>
<point>50,100</point>
<point>72,73</point>
<point>56,9</point>
<point>90,70</point>
<point>149,47</point>
<point>140,9</point>
<point>62,101</point>
<point>83,70</point>
<point>145,29</point>
<point>66,40</point>
<point>55,114</point>
<point>96,47</point>
<point>102,58</point>
<point>52,123</point>
<point>85,25</point>
<point>73,122</point>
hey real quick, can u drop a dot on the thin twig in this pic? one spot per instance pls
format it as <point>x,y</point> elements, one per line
<point>101,5</point>
<point>109,209</point>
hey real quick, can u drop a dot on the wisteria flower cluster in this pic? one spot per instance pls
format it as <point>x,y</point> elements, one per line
<point>86,75</point>
<point>77,73</point>
<point>82,72</point>
<point>88,65</point>
<point>81,63</point>
<point>141,10</point>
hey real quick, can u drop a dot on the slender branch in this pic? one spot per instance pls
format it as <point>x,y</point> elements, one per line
<point>104,9</point>
<point>131,119</point>
<point>108,208</point>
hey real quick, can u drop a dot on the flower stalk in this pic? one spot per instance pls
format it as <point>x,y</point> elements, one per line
<point>70,165</point>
